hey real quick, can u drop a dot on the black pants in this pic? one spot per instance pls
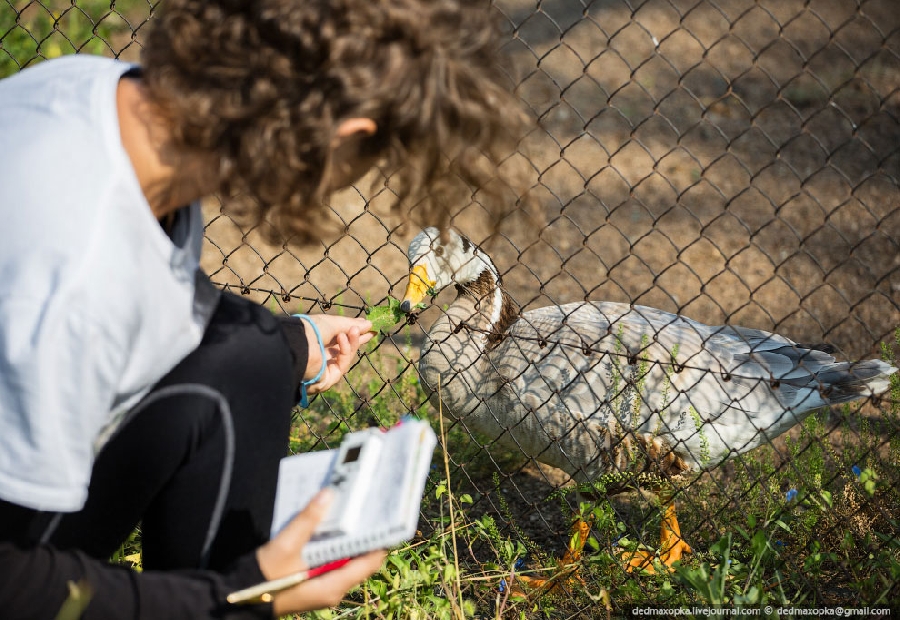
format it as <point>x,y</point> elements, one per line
<point>197,463</point>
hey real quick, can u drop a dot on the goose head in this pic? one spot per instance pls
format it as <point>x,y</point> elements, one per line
<point>436,263</point>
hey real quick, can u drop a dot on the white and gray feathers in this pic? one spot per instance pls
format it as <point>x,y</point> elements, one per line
<point>595,387</point>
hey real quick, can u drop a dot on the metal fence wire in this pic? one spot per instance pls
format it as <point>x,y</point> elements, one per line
<point>732,161</point>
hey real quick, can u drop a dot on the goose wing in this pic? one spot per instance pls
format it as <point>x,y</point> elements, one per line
<point>708,390</point>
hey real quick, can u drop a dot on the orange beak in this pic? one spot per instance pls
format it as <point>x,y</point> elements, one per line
<point>417,288</point>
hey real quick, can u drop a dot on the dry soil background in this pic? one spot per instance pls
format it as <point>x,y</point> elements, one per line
<point>735,161</point>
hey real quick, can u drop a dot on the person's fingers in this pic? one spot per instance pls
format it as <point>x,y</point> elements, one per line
<point>347,345</point>
<point>330,329</point>
<point>281,555</point>
<point>353,572</point>
<point>341,337</point>
<point>299,530</point>
<point>332,372</point>
<point>330,325</point>
<point>340,364</point>
<point>340,357</point>
<point>329,589</point>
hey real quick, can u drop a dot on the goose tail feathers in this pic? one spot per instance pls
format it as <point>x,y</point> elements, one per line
<point>845,382</point>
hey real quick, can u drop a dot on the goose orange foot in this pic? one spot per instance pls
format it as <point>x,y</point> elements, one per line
<point>671,545</point>
<point>568,567</point>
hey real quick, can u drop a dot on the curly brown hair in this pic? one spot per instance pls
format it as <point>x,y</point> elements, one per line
<point>264,85</point>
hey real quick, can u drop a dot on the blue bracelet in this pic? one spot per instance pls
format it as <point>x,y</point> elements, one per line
<point>304,398</point>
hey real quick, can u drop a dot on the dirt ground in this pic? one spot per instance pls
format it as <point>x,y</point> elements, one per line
<point>735,161</point>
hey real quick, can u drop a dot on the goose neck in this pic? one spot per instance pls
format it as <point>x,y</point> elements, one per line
<point>494,309</point>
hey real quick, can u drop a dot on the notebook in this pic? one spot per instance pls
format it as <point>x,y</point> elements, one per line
<point>377,508</point>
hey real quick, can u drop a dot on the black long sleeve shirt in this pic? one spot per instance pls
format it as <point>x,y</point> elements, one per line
<point>34,585</point>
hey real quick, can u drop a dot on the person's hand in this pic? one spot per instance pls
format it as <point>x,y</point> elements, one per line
<point>281,557</point>
<point>342,337</point>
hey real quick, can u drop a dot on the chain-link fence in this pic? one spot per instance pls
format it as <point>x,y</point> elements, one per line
<point>731,161</point>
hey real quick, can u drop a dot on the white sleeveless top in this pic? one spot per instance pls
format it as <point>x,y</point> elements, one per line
<point>97,303</point>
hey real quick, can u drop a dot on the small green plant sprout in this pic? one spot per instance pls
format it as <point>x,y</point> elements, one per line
<point>387,315</point>
<point>867,478</point>
<point>704,440</point>
<point>730,581</point>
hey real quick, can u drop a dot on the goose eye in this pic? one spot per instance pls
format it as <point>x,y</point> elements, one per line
<point>439,251</point>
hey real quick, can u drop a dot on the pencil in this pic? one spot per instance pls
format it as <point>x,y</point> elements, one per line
<point>262,593</point>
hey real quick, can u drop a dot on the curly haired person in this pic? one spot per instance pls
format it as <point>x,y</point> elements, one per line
<point>131,389</point>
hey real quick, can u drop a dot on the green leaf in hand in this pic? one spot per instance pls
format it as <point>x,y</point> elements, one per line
<point>386,316</point>
<point>383,318</point>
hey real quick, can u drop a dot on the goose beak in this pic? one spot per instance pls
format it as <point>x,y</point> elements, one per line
<point>417,289</point>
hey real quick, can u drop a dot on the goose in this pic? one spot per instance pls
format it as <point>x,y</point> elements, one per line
<point>597,388</point>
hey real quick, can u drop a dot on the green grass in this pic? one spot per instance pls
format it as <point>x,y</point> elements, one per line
<point>34,31</point>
